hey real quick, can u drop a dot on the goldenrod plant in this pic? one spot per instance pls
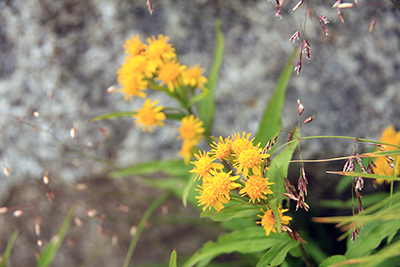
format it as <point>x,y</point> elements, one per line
<point>242,180</point>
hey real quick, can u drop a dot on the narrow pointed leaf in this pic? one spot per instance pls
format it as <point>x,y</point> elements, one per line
<point>172,167</point>
<point>173,259</point>
<point>113,115</point>
<point>10,244</point>
<point>49,252</point>
<point>279,167</point>
<point>206,107</point>
<point>243,241</point>
<point>242,211</point>
<point>277,254</point>
<point>271,121</point>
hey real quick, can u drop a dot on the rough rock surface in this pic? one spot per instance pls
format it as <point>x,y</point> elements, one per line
<point>59,57</point>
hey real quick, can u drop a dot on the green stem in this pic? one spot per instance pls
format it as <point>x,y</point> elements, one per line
<point>69,149</point>
<point>141,224</point>
<point>395,4</point>
<point>334,137</point>
<point>305,256</point>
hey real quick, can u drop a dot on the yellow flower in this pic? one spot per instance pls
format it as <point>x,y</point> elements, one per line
<point>256,187</point>
<point>193,77</point>
<point>222,149</point>
<point>191,129</point>
<point>134,46</point>
<point>186,151</point>
<point>241,143</point>
<point>216,191</point>
<point>250,158</point>
<point>209,198</point>
<point>268,220</point>
<point>390,136</point>
<point>132,86</point>
<point>170,74</point>
<point>160,50</point>
<point>204,165</point>
<point>149,115</point>
<point>137,65</point>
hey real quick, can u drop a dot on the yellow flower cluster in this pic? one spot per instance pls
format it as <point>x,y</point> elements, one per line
<point>382,167</point>
<point>238,152</point>
<point>155,61</point>
<point>155,65</point>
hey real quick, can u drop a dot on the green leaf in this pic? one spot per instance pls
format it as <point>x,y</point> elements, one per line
<point>190,186</point>
<point>242,211</point>
<point>277,254</point>
<point>332,260</point>
<point>174,115</point>
<point>206,107</point>
<point>156,203</point>
<point>271,121</point>
<point>172,167</point>
<point>113,115</point>
<point>172,260</point>
<point>280,165</point>
<point>199,97</point>
<point>10,244</point>
<point>244,241</point>
<point>370,238</point>
<point>50,251</point>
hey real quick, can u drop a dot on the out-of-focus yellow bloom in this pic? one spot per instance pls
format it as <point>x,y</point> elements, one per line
<point>134,46</point>
<point>192,129</point>
<point>186,151</point>
<point>170,74</point>
<point>159,49</point>
<point>390,136</point>
<point>149,116</point>
<point>193,77</point>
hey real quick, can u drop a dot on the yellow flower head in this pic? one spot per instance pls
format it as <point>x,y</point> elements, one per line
<point>390,136</point>
<point>191,129</point>
<point>134,46</point>
<point>186,151</point>
<point>216,190</point>
<point>250,158</point>
<point>149,115</point>
<point>133,85</point>
<point>137,65</point>
<point>209,198</point>
<point>241,143</point>
<point>268,219</point>
<point>256,187</point>
<point>193,77</point>
<point>204,165</point>
<point>170,74</point>
<point>222,149</point>
<point>159,49</point>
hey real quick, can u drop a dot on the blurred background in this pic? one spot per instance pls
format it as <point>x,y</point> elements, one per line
<point>57,58</point>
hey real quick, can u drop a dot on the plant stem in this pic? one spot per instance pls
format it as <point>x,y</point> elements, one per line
<point>141,224</point>
<point>395,4</point>
<point>305,256</point>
